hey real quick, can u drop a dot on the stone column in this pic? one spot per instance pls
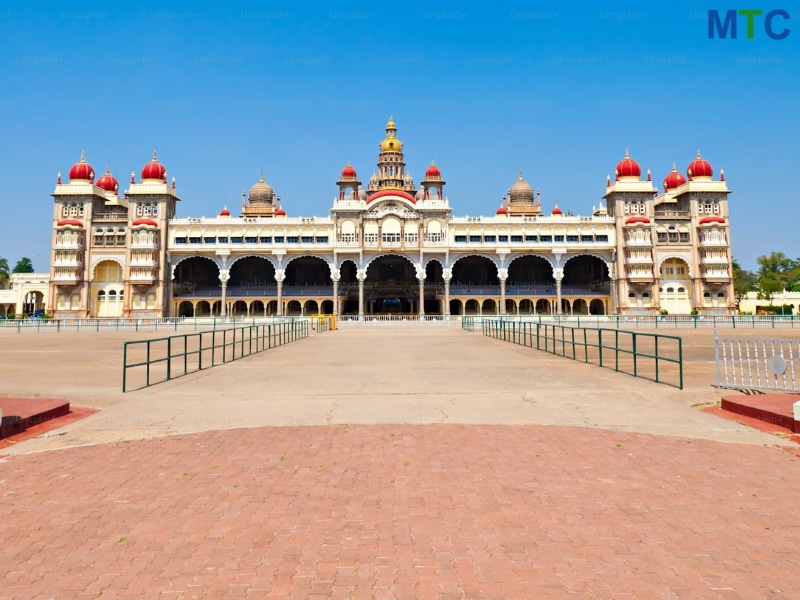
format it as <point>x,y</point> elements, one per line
<point>502,274</point>
<point>447,275</point>
<point>421,278</point>
<point>336,297</point>
<point>558,275</point>
<point>361,275</point>
<point>86,301</point>
<point>335,276</point>
<point>279,277</point>
<point>224,276</point>
<point>613,287</point>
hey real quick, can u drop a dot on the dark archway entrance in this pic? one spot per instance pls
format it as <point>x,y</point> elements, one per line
<point>474,271</point>
<point>530,271</point>
<point>391,286</point>
<point>308,271</point>
<point>196,276</point>
<point>587,272</point>
<point>348,287</point>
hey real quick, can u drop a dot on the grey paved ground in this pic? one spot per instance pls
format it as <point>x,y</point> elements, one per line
<point>363,375</point>
<point>391,463</point>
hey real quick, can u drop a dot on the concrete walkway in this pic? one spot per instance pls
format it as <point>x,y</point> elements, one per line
<point>400,462</point>
<point>361,375</point>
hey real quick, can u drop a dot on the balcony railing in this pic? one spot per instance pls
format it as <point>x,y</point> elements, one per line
<point>110,216</point>
<point>639,260</point>
<point>714,260</point>
<point>713,243</point>
<point>639,243</point>
<point>73,263</point>
<point>145,245</point>
<point>672,214</point>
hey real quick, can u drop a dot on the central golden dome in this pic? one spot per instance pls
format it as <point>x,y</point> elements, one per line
<point>391,143</point>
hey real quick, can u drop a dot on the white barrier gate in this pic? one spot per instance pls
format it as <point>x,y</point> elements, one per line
<point>756,365</point>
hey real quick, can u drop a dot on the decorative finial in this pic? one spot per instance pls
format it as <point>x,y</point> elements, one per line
<point>58,177</point>
<point>83,156</point>
<point>608,180</point>
<point>261,177</point>
<point>173,183</point>
<point>108,169</point>
<point>133,177</point>
<point>698,153</point>
<point>626,152</point>
<point>649,178</point>
<point>155,158</point>
<point>722,174</point>
<point>674,168</point>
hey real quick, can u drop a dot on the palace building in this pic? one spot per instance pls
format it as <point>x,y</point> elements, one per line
<point>391,245</point>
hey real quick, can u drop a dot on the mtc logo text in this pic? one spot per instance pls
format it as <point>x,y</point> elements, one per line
<point>724,25</point>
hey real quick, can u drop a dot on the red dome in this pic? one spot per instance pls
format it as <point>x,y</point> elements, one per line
<point>628,167</point>
<point>674,179</point>
<point>433,171</point>
<point>150,222</point>
<point>633,220</point>
<point>556,211</point>
<point>705,220</point>
<point>108,182</point>
<point>154,170</point>
<point>502,210</point>
<point>348,171</point>
<point>81,170</point>
<point>280,213</point>
<point>69,223</point>
<point>225,212</point>
<point>699,167</point>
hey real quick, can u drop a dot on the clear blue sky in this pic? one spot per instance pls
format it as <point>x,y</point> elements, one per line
<point>559,90</point>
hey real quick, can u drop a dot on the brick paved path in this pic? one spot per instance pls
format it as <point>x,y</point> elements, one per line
<point>400,511</point>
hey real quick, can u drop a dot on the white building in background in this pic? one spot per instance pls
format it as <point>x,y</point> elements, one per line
<point>392,246</point>
<point>24,294</point>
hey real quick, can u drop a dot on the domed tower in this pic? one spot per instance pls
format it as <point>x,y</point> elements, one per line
<point>391,165</point>
<point>674,179</point>
<point>81,171</point>
<point>627,169</point>
<point>521,199</point>
<point>261,201</point>
<point>699,169</point>
<point>107,182</point>
<point>348,183</point>
<point>433,182</point>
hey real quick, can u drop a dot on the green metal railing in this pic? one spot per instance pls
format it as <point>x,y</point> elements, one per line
<point>468,323</point>
<point>131,324</point>
<point>163,359</point>
<point>649,355</point>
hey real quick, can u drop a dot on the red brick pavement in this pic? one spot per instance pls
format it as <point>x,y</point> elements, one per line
<point>399,511</point>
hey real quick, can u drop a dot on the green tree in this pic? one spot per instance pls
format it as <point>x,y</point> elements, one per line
<point>3,272</point>
<point>776,273</point>
<point>24,265</point>
<point>743,282</point>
